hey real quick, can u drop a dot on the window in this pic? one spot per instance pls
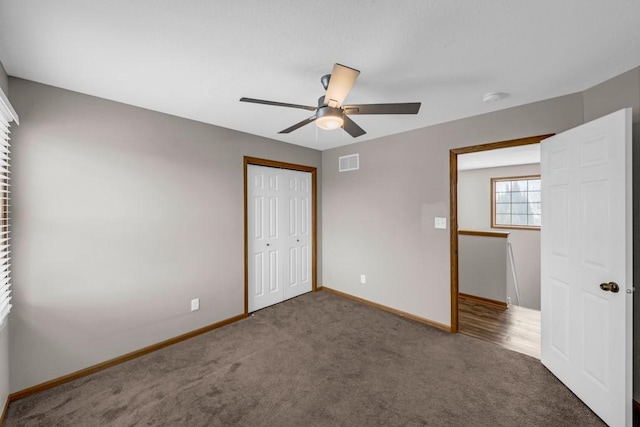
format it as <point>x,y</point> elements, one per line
<point>515,202</point>
<point>7,115</point>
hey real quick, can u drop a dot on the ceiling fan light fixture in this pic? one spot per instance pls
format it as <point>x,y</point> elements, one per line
<point>329,118</point>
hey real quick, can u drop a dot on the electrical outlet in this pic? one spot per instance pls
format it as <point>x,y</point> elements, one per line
<point>195,304</point>
<point>363,279</point>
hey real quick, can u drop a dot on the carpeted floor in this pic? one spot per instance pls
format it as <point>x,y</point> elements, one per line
<point>316,360</point>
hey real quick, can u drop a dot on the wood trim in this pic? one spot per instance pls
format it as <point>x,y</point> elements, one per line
<point>453,206</point>
<point>118,360</point>
<point>453,238</point>
<point>314,219</point>
<point>636,413</point>
<point>485,301</point>
<point>388,309</point>
<point>501,144</point>
<point>492,184</point>
<point>314,230</point>
<point>246,237</point>
<point>501,234</point>
<point>4,411</point>
<point>518,227</point>
<point>276,164</point>
<point>515,178</point>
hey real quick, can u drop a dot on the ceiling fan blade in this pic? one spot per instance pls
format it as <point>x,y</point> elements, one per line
<point>299,125</point>
<point>277,104</point>
<point>340,83</point>
<point>401,108</point>
<point>352,128</point>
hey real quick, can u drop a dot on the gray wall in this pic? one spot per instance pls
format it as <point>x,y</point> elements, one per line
<point>4,80</point>
<point>4,365</point>
<point>474,213</point>
<point>619,92</point>
<point>482,266</point>
<point>379,220</point>
<point>4,330</point>
<point>121,216</point>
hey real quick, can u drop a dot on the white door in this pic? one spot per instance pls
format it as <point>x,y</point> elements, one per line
<point>586,241</point>
<point>279,237</point>
<point>298,263</point>
<point>264,230</point>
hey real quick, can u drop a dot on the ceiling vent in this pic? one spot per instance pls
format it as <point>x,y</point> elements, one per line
<point>349,163</point>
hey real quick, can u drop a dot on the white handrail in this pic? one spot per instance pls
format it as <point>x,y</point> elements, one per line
<point>513,271</point>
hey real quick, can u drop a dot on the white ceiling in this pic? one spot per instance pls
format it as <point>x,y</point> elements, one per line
<point>196,58</point>
<point>511,156</point>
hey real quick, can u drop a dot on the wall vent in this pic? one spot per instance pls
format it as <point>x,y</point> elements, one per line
<point>349,163</point>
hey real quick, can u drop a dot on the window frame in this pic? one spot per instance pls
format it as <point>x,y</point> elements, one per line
<point>493,182</point>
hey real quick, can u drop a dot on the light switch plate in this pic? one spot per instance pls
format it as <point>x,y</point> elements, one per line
<point>195,304</point>
<point>440,223</point>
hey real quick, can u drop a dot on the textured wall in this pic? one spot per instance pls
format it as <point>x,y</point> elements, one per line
<point>378,220</point>
<point>121,216</point>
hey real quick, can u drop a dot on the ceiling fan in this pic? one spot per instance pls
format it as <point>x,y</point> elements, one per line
<point>331,113</point>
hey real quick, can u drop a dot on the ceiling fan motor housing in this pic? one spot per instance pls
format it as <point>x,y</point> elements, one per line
<point>325,81</point>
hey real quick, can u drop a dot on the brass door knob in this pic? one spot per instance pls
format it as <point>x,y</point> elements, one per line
<point>611,286</point>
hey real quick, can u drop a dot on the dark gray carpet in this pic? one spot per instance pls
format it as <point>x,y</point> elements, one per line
<point>316,360</point>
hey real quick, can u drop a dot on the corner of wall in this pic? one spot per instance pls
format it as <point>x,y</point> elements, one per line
<point>4,80</point>
<point>621,91</point>
<point>4,370</point>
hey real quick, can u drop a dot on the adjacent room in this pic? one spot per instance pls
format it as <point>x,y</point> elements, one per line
<point>499,246</point>
<point>268,213</point>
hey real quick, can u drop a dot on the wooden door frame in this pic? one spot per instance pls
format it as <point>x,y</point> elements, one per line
<point>279,165</point>
<point>453,207</point>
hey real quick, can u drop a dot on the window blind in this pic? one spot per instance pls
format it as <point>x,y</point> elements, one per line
<point>7,115</point>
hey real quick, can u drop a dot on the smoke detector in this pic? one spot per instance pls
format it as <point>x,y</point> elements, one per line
<point>490,97</point>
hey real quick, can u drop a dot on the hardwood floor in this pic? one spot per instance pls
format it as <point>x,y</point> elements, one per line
<point>516,328</point>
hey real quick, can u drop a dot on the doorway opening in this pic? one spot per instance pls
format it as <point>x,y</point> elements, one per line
<point>313,218</point>
<point>481,315</point>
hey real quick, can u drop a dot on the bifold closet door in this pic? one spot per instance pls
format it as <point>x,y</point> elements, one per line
<point>298,263</point>
<point>279,235</point>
